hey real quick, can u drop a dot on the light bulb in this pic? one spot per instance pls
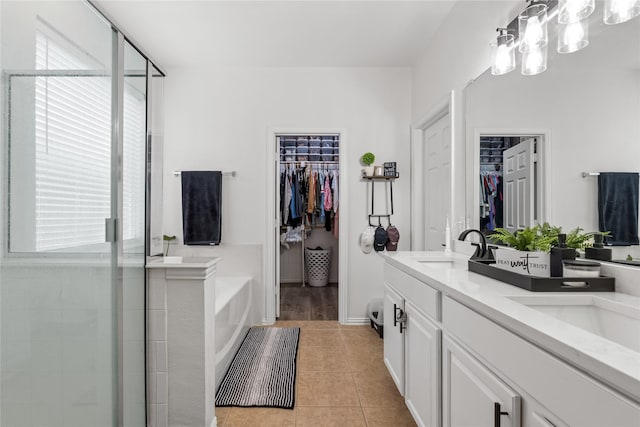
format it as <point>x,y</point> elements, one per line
<point>572,37</point>
<point>502,59</point>
<point>532,27</point>
<point>534,61</point>
<point>574,10</point>
<point>618,11</point>
<point>533,36</point>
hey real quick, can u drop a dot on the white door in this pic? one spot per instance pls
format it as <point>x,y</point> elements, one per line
<point>422,369</point>
<point>472,394</point>
<point>276,230</point>
<point>437,181</point>
<point>393,337</point>
<point>519,185</point>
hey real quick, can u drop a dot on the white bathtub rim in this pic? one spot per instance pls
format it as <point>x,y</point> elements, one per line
<point>227,287</point>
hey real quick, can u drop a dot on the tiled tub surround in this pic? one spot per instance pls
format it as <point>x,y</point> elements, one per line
<point>613,366</point>
<point>181,342</point>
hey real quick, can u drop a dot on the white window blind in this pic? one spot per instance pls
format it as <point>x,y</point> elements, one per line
<point>73,151</point>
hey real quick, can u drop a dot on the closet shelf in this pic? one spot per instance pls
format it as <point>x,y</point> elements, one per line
<point>381,178</point>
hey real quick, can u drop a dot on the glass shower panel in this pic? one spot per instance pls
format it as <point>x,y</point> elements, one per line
<point>57,302</point>
<point>155,141</point>
<point>133,235</point>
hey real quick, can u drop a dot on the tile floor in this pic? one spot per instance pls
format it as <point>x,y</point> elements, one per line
<point>308,303</point>
<point>341,382</point>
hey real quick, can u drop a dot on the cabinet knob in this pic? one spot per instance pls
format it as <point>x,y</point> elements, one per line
<point>497,413</point>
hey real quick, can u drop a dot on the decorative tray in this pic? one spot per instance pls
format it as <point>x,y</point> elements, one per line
<point>545,284</point>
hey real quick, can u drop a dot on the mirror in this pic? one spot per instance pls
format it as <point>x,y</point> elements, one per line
<point>587,108</point>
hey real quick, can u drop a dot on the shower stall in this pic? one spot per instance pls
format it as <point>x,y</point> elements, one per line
<point>81,121</point>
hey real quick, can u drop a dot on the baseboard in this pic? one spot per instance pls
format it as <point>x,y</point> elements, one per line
<point>357,321</point>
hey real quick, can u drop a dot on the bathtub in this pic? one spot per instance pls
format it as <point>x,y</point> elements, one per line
<point>233,319</point>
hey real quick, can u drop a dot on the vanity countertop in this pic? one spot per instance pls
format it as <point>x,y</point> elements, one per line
<point>612,363</point>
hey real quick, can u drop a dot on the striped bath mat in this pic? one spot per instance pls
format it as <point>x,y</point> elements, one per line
<point>263,372</point>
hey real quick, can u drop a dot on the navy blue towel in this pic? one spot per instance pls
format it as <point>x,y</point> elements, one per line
<point>618,206</point>
<point>201,207</point>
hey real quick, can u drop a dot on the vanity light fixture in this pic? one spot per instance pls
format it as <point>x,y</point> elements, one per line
<point>532,27</point>
<point>573,36</point>
<point>573,31</point>
<point>503,55</point>
<point>570,11</point>
<point>619,11</point>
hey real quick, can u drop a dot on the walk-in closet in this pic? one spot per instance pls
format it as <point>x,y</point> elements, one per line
<point>509,171</point>
<point>309,186</point>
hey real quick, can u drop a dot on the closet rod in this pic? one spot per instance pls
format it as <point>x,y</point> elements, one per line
<point>232,173</point>
<point>308,161</point>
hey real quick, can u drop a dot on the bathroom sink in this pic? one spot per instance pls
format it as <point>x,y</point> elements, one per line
<point>612,320</point>
<point>435,259</point>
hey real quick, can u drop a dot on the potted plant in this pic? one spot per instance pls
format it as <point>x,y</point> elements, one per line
<point>367,160</point>
<point>168,239</point>
<point>530,254</point>
<point>576,239</point>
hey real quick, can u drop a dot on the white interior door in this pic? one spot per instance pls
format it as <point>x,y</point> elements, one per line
<point>437,181</point>
<point>519,182</point>
<point>276,228</point>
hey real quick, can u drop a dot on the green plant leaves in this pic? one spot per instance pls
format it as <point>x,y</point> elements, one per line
<point>542,237</point>
<point>368,159</point>
<point>528,239</point>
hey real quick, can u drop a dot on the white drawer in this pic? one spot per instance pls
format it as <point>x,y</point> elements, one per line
<point>421,295</point>
<point>576,398</point>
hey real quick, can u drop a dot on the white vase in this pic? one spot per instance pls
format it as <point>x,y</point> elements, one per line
<point>368,170</point>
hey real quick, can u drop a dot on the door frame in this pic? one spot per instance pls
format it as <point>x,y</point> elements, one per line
<point>446,106</point>
<point>269,257</point>
<point>544,162</point>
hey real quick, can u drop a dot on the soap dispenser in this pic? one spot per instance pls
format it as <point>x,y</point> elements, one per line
<point>598,251</point>
<point>560,253</point>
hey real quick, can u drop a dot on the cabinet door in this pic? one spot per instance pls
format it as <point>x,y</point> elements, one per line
<point>472,393</point>
<point>422,368</point>
<point>393,338</point>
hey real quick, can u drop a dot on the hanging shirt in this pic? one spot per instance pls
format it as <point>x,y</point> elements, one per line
<point>334,187</point>
<point>287,199</point>
<point>294,196</point>
<point>328,202</point>
<point>311,196</point>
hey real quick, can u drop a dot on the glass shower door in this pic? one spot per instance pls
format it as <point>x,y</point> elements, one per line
<point>71,290</point>
<point>134,130</point>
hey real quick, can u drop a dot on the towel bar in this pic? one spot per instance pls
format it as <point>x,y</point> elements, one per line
<point>232,173</point>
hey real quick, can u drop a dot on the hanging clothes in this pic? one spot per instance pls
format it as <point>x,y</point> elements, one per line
<point>491,199</point>
<point>308,197</point>
<point>334,189</point>
<point>311,205</point>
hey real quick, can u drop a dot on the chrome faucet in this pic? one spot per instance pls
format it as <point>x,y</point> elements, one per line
<point>481,252</point>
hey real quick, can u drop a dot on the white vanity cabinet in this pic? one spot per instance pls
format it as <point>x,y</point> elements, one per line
<point>412,343</point>
<point>472,394</point>
<point>558,394</point>
<point>393,338</point>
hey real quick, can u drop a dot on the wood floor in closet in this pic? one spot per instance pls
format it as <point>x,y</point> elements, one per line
<point>308,303</point>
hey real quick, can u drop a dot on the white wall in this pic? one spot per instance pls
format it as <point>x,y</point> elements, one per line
<point>219,119</point>
<point>458,53</point>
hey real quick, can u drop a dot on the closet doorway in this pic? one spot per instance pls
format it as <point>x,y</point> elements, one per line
<point>308,249</point>
<point>511,173</point>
